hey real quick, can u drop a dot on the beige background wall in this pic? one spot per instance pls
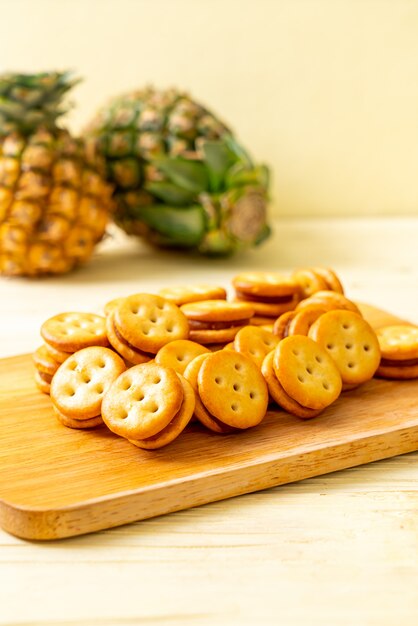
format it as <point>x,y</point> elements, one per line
<point>326,91</point>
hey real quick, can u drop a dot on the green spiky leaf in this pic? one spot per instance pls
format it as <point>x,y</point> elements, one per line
<point>170,193</point>
<point>190,175</point>
<point>239,175</point>
<point>218,159</point>
<point>238,150</point>
<point>184,227</point>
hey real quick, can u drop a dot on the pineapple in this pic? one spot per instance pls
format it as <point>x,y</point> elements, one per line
<point>180,178</point>
<point>54,202</point>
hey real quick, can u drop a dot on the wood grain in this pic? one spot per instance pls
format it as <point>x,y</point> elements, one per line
<point>56,482</point>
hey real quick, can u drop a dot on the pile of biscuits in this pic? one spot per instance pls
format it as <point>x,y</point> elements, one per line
<point>154,362</point>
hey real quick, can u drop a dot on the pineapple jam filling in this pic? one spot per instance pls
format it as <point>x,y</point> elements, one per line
<point>265,299</point>
<point>129,345</point>
<point>399,363</point>
<point>198,325</point>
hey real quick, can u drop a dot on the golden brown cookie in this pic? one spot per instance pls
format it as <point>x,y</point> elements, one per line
<point>398,342</point>
<point>149,322</point>
<point>278,393</point>
<point>255,343</point>
<point>142,401</point>
<point>216,321</point>
<point>201,412</point>
<point>44,362</point>
<point>270,309</point>
<point>233,389</point>
<point>399,348</point>
<point>43,381</point>
<point>330,277</point>
<point>264,284</point>
<point>127,351</point>
<point>176,426</point>
<point>178,354</point>
<point>306,372</point>
<point>70,332</point>
<point>309,281</point>
<point>70,422</point>
<point>303,320</point>
<point>81,382</point>
<point>328,300</point>
<point>281,324</point>
<point>183,294</point>
<point>58,355</point>
<point>351,342</point>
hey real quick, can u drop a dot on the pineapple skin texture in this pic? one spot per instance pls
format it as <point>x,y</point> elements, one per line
<point>54,203</point>
<point>135,128</point>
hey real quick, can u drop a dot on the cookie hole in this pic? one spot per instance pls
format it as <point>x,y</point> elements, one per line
<point>350,365</point>
<point>309,370</point>
<point>126,385</point>
<point>252,351</point>
<point>170,329</point>
<point>135,310</point>
<point>153,408</point>
<point>366,348</point>
<point>72,365</point>
<point>157,380</point>
<point>180,358</point>
<point>123,415</point>
<point>301,379</point>
<point>99,389</point>
<point>330,346</point>
<point>348,346</point>
<point>325,386</point>
<point>267,343</point>
<point>295,352</point>
<point>318,359</point>
<point>236,387</point>
<point>139,396</point>
<point>252,395</point>
<point>218,380</point>
<point>234,407</point>
<point>71,392</point>
<point>346,326</point>
<point>238,367</point>
<point>145,331</point>
<point>101,364</point>
<point>86,379</point>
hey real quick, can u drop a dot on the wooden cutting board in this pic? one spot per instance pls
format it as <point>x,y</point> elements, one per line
<point>57,482</point>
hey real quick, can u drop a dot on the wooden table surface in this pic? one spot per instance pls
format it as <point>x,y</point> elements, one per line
<point>340,549</point>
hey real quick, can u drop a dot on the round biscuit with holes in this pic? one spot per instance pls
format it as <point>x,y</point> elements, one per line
<point>279,395</point>
<point>351,342</point>
<point>207,419</point>
<point>281,324</point>
<point>128,352</point>
<point>309,281</point>
<point>142,401</point>
<point>183,294</point>
<point>58,355</point>
<point>328,300</point>
<point>265,284</point>
<point>43,381</point>
<point>303,320</point>
<point>44,362</point>
<point>213,311</point>
<point>398,342</point>
<point>177,424</point>
<point>233,389</point>
<point>148,322</point>
<point>306,372</point>
<point>70,332</point>
<point>178,354</point>
<point>84,424</point>
<point>81,382</point>
<point>255,343</point>
<point>330,277</point>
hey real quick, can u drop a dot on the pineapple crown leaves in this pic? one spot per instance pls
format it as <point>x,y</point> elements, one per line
<point>224,165</point>
<point>31,100</point>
